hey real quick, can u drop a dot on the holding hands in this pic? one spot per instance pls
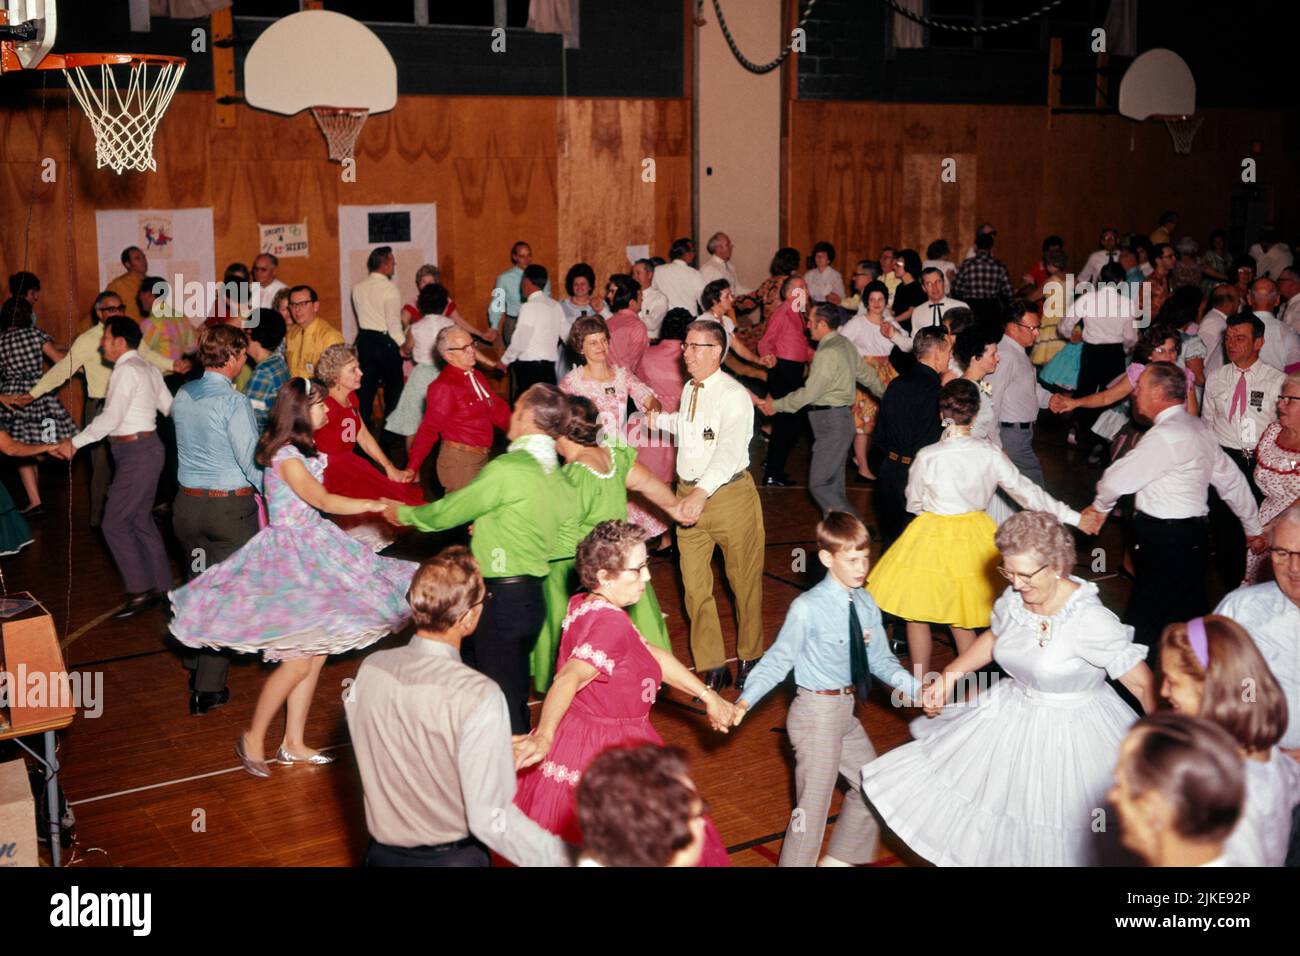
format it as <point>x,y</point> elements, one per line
<point>389,509</point>
<point>722,713</point>
<point>769,361</point>
<point>692,506</point>
<point>739,710</point>
<point>1061,404</point>
<point>403,476</point>
<point>63,450</point>
<point>16,401</point>
<point>766,406</point>
<point>1091,520</point>
<point>933,698</point>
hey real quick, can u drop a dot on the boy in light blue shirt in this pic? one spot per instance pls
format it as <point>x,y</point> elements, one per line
<point>817,642</point>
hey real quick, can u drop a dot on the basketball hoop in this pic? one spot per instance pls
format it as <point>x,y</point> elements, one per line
<point>341,126</point>
<point>124,107</point>
<point>1182,129</point>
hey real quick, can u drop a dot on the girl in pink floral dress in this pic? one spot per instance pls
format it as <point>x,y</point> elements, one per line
<point>607,683</point>
<point>609,387</point>
<point>300,589</point>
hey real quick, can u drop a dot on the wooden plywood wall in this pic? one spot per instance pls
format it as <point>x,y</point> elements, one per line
<point>494,165</point>
<point>865,175</point>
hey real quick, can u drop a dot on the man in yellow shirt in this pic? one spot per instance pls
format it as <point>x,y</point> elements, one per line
<point>127,285</point>
<point>310,336</point>
<point>84,355</point>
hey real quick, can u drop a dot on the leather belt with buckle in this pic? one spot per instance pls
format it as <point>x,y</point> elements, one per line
<point>837,692</point>
<point>1016,424</point>
<point>119,439</point>
<point>460,444</point>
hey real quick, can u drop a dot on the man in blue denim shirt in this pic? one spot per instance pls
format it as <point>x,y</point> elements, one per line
<point>215,512</point>
<point>824,730</point>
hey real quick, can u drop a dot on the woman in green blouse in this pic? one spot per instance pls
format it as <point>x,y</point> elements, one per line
<point>602,469</point>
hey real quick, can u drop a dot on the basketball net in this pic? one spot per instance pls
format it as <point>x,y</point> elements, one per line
<point>341,127</point>
<point>1182,129</point>
<point>124,120</point>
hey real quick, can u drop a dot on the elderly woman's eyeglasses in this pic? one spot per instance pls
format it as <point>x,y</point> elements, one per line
<point>1013,575</point>
<point>637,569</point>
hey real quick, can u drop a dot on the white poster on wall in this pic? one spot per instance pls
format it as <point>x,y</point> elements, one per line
<point>411,229</point>
<point>283,240</point>
<point>177,242</point>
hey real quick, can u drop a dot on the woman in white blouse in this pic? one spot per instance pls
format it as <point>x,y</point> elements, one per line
<point>1018,776</point>
<point>825,284</point>
<point>1205,664</point>
<point>941,570</point>
<point>875,334</point>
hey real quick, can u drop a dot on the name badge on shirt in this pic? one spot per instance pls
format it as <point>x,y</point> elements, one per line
<point>610,390</point>
<point>708,434</point>
<point>1257,400</point>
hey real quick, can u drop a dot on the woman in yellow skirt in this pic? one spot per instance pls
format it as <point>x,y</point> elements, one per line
<point>942,569</point>
<point>875,334</point>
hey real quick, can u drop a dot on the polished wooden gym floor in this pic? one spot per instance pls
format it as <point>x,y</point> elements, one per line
<point>152,786</point>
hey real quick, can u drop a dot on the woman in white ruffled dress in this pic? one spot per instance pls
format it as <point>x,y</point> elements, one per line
<point>1019,777</point>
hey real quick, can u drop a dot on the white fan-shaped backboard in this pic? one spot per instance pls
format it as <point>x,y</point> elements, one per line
<point>1157,83</point>
<point>319,58</point>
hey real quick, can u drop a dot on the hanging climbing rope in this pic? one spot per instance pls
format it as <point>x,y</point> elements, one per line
<point>735,50</point>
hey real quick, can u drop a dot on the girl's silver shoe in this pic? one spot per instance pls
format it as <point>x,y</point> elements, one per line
<point>318,760</point>
<point>258,768</point>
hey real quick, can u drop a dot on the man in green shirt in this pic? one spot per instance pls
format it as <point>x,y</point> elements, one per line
<point>517,504</point>
<point>828,395</point>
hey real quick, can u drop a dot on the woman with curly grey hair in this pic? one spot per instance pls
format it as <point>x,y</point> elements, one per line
<point>608,680</point>
<point>1018,777</point>
<point>346,472</point>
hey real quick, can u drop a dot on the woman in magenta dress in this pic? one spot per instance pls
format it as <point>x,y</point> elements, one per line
<point>349,474</point>
<point>609,386</point>
<point>608,679</point>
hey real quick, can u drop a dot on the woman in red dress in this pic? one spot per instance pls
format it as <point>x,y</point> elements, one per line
<point>346,472</point>
<point>605,687</point>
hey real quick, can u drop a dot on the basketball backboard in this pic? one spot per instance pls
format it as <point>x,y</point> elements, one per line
<point>319,58</point>
<point>1157,83</point>
<point>31,43</point>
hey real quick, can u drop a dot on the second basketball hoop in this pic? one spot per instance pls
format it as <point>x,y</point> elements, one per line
<point>325,62</point>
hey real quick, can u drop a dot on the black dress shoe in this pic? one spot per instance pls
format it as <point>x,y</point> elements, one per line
<point>138,604</point>
<point>202,702</point>
<point>742,671</point>
<point>773,481</point>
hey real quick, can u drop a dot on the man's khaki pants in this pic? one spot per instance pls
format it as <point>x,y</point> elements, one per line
<point>733,521</point>
<point>459,464</point>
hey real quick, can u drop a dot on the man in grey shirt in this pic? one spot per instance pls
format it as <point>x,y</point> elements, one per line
<point>1017,396</point>
<point>432,739</point>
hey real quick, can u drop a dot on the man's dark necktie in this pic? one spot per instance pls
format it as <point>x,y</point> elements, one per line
<point>937,317</point>
<point>858,668</point>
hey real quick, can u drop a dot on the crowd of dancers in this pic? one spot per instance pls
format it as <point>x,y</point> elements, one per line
<point>629,428</point>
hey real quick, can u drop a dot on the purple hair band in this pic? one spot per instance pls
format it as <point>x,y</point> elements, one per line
<point>1200,644</point>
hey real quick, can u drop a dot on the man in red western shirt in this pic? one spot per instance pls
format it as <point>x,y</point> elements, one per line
<point>461,410</point>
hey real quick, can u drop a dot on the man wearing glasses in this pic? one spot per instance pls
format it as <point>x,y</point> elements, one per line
<point>85,354</point>
<point>714,425</point>
<point>460,411</point>
<point>1017,396</point>
<point>264,269</point>
<point>310,336</point>
<point>1270,612</point>
<point>1171,471</point>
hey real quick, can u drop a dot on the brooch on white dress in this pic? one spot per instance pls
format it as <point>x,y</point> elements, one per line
<point>984,387</point>
<point>1044,632</point>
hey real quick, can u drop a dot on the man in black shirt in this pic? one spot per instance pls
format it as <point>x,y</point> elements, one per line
<point>908,421</point>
